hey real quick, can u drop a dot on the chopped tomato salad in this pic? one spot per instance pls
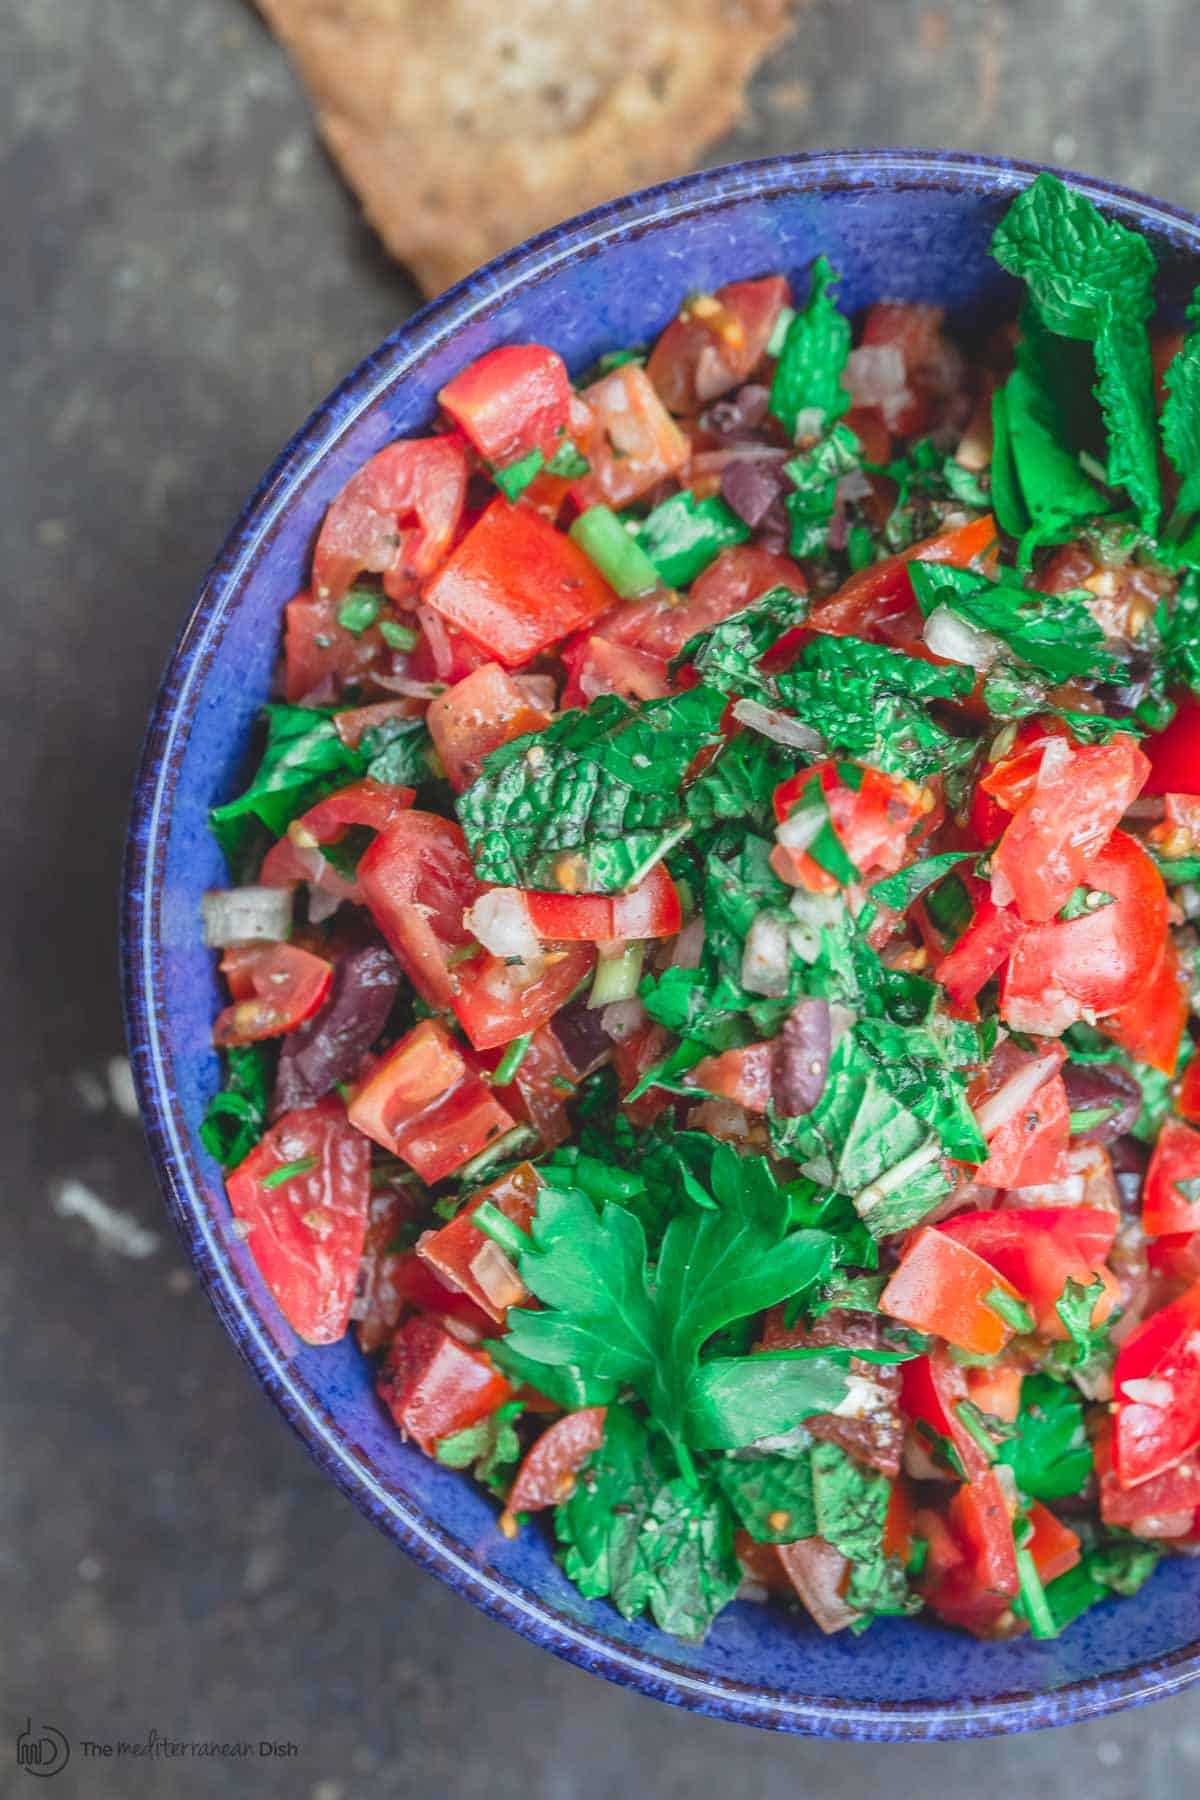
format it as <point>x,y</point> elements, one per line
<point>711,949</point>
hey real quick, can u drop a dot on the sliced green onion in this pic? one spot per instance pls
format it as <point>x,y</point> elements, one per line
<point>507,1148</point>
<point>462,953</point>
<point>1089,1118</point>
<point>513,480</point>
<point>303,1165</point>
<point>1034,1604</point>
<point>512,1059</point>
<point>1006,1306</point>
<point>615,552</point>
<point>495,1225</point>
<point>618,971</point>
<point>399,637</point>
<point>568,463</point>
<point>358,611</point>
<point>779,330</point>
<point>971,1420</point>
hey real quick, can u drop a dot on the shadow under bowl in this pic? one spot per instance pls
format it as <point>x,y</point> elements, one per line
<point>896,224</point>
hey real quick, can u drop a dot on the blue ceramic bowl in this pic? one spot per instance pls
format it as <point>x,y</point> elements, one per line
<point>897,224</point>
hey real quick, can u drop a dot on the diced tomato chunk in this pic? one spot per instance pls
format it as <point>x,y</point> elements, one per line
<point>433,1385</point>
<point>1039,1249</point>
<point>465,1259</point>
<point>942,1287</point>
<point>871,815</point>
<point>635,445</point>
<point>744,1075</point>
<point>1188,1099</point>
<point>650,910</point>
<point>1029,1148</point>
<point>541,1087</point>
<point>598,666</point>
<point>1175,753</point>
<point>632,1057</point>
<point>1166,1206</point>
<point>1053,1546</point>
<point>319,654</point>
<point>1076,802</point>
<point>275,987</point>
<point>516,584</point>
<point>1158,1422</point>
<point>996,1390</point>
<point>550,1469</point>
<point>740,574</point>
<point>417,880</point>
<point>884,589</point>
<point>898,1525</point>
<point>715,342</point>
<point>510,402</point>
<point>1175,1490</point>
<point>425,1105</point>
<point>493,1008</point>
<point>977,1592</point>
<point>931,1389</point>
<point>1063,970</point>
<point>306,1231</point>
<point>984,947</point>
<point>932,366</point>
<point>479,713</point>
<point>395,517</point>
<point>1150,1026</point>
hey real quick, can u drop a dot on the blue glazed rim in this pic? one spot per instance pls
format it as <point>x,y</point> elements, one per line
<point>145,1000</point>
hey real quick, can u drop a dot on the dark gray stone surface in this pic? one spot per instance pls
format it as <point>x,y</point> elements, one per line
<point>183,277</point>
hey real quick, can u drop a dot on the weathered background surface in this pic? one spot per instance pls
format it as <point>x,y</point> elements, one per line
<point>183,277</point>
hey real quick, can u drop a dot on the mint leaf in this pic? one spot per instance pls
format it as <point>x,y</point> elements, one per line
<point>740,783</point>
<point>771,1495</point>
<point>808,375</point>
<point>728,655</point>
<point>683,535</point>
<point>814,475</point>
<point>1054,633</point>
<point>900,890</point>
<point>593,801</point>
<point>1181,426</point>
<point>851,1504</point>
<point>397,752</point>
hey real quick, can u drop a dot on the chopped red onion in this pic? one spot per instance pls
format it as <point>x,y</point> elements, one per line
<point>1091,1086</point>
<point>580,1031</point>
<point>751,486</point>
<point>621,1018</point>
<point>802,1058</point>
<point>330,1046</point>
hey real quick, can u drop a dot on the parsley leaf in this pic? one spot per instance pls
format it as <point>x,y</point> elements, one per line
<point>1050,1456</point>
<point>736,1400</point>
<point>236,1116</point>
<point>808,375</point>
<point>683,535</point>
<point>594,800</point>
<point>647,1540</point>
<point>491,1447</point>
<point>1117,1564</point>
<point>304,759</point>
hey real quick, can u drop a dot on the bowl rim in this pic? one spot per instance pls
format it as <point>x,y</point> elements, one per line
<point>528,263</point>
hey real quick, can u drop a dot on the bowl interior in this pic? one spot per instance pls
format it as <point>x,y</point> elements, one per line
<point>897,226</point>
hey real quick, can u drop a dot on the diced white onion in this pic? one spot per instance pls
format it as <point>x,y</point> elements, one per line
<point>798,832</point>
<point>247,915</point>
<point>497,1276</point>
<point>1056,758</point>
<point>780,727</point>
<point>1016,1093</point>
<point>949,636</point>
<point>688,947</point>
<point>621,1018</point>
<point>767,956</point>
<point>811,913</point>
<point>500,921</point>
<point>1148,1391</point>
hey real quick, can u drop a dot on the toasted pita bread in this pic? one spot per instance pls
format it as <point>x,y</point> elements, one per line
<point>465,125</point>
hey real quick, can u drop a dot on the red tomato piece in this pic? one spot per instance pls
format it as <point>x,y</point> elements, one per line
<point>1029,1148</point>
<point>1060,971</point>
<point>883,590</point>
<point>1012,779</point>
<point>275,987</point>
<point>635,445</point>
<point>715,342</point>
<point>442,654</point>
<point>984,947</point>
<point>433,1385</point>
<point>1176,1257</point>
<point>1038,1249</point>
<point>977,1592</point>
<point>930,1392</point>
<point>462,1257</point>
<point>631,1058</point>
<point>1165,1208</point>
<point>1176,1490</point>
<point>319,654</point>
<point>740,574</point>
<point>375,804</point>
<point>1188,1099</point>
<point>871,814</point>
<point>1175,753</point>
<point>818,1574</point>
<point>996,1390</point>
<point>1053,1546</point>
<point>898,1525</point>
<point>1150,1026</point>
<point>1065,821</point>
<point>306,1234</point>
<point>650,910</point>
<point>493,1008</point>
<point>417,880</point>
<point>395,517</point>
<point>1159,1422</point>
<point>510,402</point>
<point>931,365</point>
<point>516,584</point>
<point>539,1091</point>
<point>743,1075</point>
<point>425,1105</point>
<point>355,721</point>
<point>464,1123</point>
<point>942,1287</point>
<point>550,1469</point>
<point>479,713</point>
<point>598,666</point>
